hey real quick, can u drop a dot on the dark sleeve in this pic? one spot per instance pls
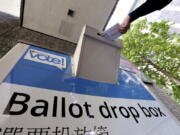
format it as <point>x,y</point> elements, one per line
<point>148,7</point>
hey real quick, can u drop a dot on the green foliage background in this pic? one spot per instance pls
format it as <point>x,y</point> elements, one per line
<point>156,52</point>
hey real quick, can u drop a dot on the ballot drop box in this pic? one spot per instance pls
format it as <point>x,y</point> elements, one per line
<point>42,95</point>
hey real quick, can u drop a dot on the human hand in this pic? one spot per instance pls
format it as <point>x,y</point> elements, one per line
<point>125,25</point>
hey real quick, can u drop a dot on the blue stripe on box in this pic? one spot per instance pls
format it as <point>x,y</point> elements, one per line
<point>35,74</point>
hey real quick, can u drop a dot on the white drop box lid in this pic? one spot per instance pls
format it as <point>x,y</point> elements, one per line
<point>96,58</point>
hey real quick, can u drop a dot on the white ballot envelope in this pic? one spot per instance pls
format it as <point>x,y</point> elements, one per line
<point>112,33</point>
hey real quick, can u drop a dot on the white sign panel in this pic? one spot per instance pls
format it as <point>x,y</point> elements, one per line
<point>39,98</point>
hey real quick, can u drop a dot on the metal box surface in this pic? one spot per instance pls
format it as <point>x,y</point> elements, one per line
<point>96,58</point>
<point>65,18</point>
